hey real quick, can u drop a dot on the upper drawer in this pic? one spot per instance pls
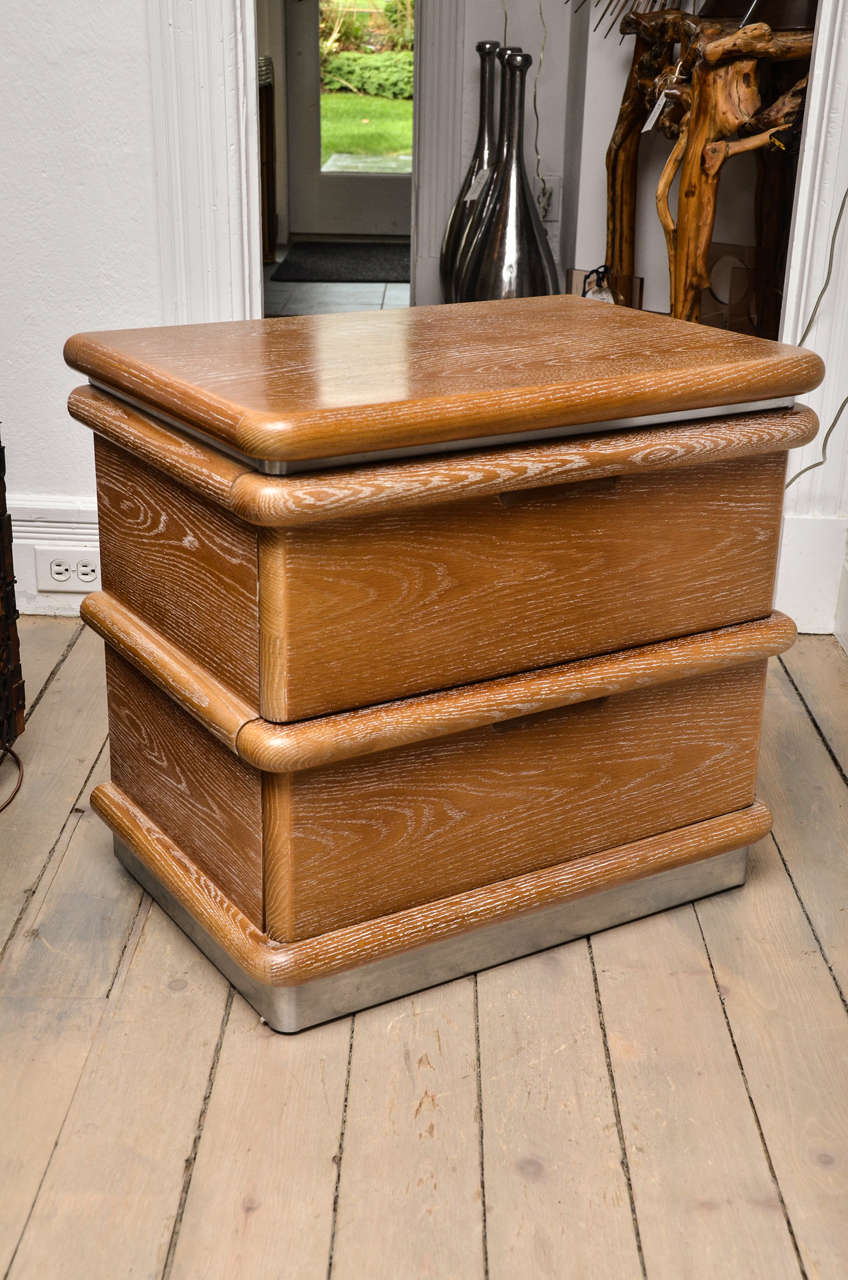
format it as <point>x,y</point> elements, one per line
<point>369,585</point>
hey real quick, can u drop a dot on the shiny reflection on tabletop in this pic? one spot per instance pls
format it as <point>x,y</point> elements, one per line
<point>315,386</point>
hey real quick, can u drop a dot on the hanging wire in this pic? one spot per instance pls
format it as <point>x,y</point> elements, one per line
<point>825,442</point>
<point>813,466</point>
<point>543,199</point>
<point>829,272</point>
<point>4,752</point>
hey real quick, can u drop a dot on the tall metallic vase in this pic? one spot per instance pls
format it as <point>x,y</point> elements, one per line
<point>482,206</point>
<point>510,256</point>
<point>478,173</point>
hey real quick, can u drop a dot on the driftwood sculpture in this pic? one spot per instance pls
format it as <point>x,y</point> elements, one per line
<point>728,90</point>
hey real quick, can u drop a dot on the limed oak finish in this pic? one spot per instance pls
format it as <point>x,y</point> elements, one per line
<point>314,387</point>
<point>374,725</point>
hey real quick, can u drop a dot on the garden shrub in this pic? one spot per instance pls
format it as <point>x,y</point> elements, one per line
<point>382,75</point>
<point>399,16</point>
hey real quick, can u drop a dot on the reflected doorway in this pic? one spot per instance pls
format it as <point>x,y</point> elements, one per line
<point>349,85</point>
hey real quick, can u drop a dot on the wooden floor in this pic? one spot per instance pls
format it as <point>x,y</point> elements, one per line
<point>668,1099</point>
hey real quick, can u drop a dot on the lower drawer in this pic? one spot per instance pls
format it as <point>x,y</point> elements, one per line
<point>362,815</point>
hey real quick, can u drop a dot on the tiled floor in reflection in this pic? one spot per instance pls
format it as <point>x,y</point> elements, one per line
<point>306,298</point>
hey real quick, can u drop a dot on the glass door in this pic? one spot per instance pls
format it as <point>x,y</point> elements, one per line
<point>349,106</point>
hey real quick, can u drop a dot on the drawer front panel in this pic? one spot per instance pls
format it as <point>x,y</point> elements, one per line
<point>368,610</point>
<point>185,566</point>
<point>375,835</point>
<point>191,785</point>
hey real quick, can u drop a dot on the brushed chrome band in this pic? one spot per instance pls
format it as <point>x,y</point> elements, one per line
<point>295,1008</point>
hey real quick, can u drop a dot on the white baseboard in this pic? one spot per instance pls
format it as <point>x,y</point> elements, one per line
<point>45,520</point>
<point>841,627</point>
<point>809,576</point>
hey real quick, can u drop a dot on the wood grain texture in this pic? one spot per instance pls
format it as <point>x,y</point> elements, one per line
<point>280,695</point>
<point>292,388</point>
<point>810,803</point>
<point>412,1108</point>
<point>277,964</point>
<point>280,748</point>
<point>190,784</point>
<point>43,641</point>
<point>107,1203</point>
<point>212,703</point>
<point>63,738</point>
<point>705,1198</point>
<point>183,565</point>
<point>262,1205</point>
<point>54,981</point>
<point>791,1033</point>
<point>819,667</point>
<point>298,500</point>
<point>363,612</point>
<point>399,829</point>
<point>310,743</point>
<point>550,1147</point>
<point>71,939</point>
<point>44,1044</point>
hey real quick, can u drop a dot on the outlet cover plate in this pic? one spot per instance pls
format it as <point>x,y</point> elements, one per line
<point>71,555</point>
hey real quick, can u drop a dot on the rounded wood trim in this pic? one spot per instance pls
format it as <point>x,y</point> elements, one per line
<point>288,388</point>
<point>198,692</point>
<point>286,964</point>
<point>285,748</point>
<point>300,500</point>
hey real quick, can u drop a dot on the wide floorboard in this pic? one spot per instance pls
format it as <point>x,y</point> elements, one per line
<point>667,1099</point>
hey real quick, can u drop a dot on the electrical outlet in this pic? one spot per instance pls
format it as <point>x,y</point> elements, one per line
<point>67,568</point>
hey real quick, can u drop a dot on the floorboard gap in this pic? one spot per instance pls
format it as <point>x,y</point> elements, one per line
<point>480,1131</point>
<point>133,935</point>
<point>751,1103</point>
<point>338,1156</point>
<point>802,904</point>
<point>815,723</point>
<point>625,1163</point>
<point>198,1134</point>
<point>7,1273</point>
<point>75,812</point>
<point>54,671</point>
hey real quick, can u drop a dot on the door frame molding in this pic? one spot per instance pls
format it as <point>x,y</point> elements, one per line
<point>813,576</point>
<point>205,115</point>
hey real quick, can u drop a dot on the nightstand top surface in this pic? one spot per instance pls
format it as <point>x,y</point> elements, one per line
<point>317,387</point>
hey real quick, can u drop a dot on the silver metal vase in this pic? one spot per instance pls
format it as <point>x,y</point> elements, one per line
<point>510,256</point>
<point>482,206</point>
<point>477,173</point>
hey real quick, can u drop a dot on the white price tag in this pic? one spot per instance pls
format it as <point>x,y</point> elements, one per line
<point>655,113</point>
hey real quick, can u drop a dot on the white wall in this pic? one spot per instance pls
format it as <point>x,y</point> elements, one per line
<point>80,244</point>
<point>130,197</point>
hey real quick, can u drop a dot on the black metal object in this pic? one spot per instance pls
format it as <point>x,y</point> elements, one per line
<point>11,679</point>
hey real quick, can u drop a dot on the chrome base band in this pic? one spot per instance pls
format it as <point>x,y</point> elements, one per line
<point>294,1008</point>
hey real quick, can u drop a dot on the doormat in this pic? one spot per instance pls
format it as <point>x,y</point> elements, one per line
<point>358,262</point>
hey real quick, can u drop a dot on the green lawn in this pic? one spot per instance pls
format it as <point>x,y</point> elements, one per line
<point>363,126</point>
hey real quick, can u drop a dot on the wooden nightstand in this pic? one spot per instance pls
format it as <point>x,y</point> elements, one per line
<point>433,637</point>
